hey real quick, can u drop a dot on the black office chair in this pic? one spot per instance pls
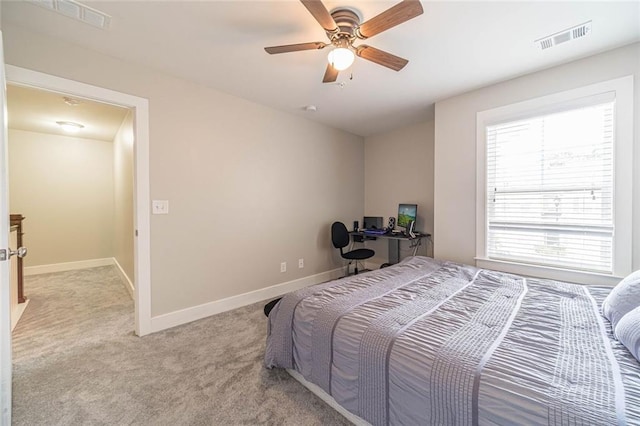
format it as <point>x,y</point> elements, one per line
<point>340,239</point>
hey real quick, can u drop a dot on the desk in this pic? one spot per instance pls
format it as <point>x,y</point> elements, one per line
<point>394,242</point>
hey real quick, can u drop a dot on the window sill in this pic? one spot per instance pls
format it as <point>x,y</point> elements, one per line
<point>578,277</point>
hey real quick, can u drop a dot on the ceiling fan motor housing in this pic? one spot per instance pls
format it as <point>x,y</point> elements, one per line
<point>348,21</point>
<point>343,26</point>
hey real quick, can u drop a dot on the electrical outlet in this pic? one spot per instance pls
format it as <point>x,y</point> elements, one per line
<point>160,207</point>
<point>300,263</point>
<point>283,267</point>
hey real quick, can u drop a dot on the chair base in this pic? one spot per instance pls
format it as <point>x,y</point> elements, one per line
<point>356,271</point>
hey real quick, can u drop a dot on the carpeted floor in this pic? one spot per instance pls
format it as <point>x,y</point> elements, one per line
<point>77,361</point>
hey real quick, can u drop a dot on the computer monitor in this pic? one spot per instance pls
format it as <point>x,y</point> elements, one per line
<point>406,213</point>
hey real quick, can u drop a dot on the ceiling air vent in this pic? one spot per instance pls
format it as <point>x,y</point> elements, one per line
<point>77,11</point>
<point>564,36</point>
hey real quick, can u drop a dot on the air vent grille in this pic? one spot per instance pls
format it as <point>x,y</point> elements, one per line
<point>564,36</point>
<point>581,31</point>
<point>76,10</point>
<point>546,43</point>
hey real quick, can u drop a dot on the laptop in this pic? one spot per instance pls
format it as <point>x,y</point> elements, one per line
<point>371,223</point>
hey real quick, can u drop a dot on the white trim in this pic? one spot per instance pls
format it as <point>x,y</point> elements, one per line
<point>5,283</point>
<point>623,88</point>
<point>67,266</point>
<point>590,278</point>
<point>140,106</point>
<point>142,222</point>
<point>481,184</point>
<point>184,316</point>
<point>82,264</point>
<point>17,312</point>
<point>125,278</point>
<point>331,402</point>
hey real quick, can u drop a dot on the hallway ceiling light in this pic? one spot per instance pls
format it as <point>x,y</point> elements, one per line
<point>70,126</point>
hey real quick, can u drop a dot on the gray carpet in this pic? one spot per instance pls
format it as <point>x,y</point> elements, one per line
<point>77,361</point>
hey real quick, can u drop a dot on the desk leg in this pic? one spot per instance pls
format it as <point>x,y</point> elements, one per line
<point>394,251</point>
<point>416,243</point>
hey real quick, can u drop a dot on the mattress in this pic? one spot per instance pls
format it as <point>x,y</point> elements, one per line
<point>434,342</point>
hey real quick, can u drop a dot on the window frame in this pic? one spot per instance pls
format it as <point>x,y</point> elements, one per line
<point>622,90</point>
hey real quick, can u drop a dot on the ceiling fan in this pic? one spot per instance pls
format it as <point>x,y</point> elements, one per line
<point>343,27</point>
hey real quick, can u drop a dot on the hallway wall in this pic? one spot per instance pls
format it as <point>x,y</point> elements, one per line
<point>64,187</point>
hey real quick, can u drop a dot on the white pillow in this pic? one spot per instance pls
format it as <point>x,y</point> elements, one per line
<point>623,298</point>
<point>628,332</point>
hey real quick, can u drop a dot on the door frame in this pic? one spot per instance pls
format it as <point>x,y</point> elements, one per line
<point>141,200</point>
<point>5,286</point>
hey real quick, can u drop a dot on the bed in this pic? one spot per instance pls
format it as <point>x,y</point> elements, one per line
<point>436,343</point>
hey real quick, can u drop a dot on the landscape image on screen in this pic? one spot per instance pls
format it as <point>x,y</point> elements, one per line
<point>406,213</point>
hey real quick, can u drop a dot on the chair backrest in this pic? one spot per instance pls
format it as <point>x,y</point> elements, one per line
<point>339,235</point>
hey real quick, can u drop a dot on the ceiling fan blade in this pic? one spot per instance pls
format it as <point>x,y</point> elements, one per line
<point>322,15</point>
<point>295,47</point>
<point>396,15</point>
<point>381,57</point>
<point>330,75</point>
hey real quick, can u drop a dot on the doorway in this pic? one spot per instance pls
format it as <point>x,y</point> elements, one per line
<point>71,177</point>
<point>141,227</point>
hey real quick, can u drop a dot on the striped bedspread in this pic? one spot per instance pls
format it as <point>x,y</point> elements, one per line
<point>439,343</point>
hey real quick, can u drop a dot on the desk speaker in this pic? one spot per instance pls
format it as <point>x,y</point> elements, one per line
<point>392,223</point>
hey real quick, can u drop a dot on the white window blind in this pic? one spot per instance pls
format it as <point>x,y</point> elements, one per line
<point>550,189</point>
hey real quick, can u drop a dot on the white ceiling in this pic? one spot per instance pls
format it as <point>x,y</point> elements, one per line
<point>452,48</point>
<point>38,111</point>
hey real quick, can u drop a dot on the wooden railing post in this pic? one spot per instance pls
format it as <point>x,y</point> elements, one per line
<point>16,220</point>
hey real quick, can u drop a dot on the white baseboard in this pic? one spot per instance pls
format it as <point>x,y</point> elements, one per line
<point>67,266</point>
<point>162,322</point>
<point>16,313</point>
<point>82,264</point>
<point>183,316</point>
<point>127,282</point>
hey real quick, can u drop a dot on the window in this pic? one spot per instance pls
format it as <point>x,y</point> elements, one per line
<point>551,186</point>
<point>550,189</point>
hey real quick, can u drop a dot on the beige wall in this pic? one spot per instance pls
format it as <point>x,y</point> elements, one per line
<point>248,186</point>
<point>64,187</point>
<point>399,169</point>
<point>123,196</point>
<point>455,147</point>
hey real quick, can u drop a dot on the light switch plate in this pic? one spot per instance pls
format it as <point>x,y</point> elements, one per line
<point>160,207</point>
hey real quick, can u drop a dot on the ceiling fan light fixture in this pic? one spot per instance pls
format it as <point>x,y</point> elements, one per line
<point>343,27</point>
<point>341,58</point>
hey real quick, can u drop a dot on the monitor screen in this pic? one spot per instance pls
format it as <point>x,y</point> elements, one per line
<point>406,213</point>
